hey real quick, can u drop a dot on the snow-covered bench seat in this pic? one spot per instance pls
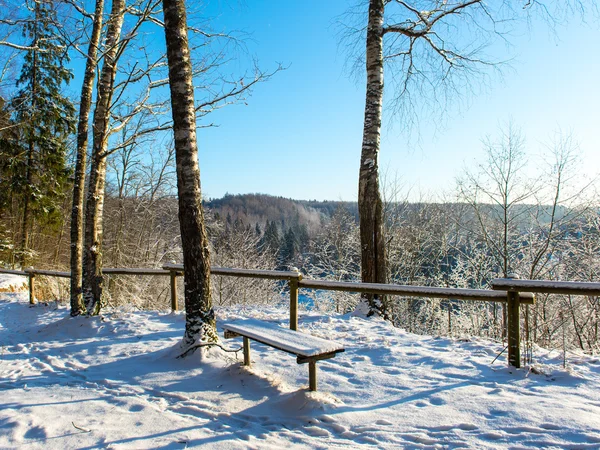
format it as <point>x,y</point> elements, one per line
<point>308,349</point>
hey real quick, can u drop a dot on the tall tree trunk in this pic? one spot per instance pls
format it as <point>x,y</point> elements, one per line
<point>26,221</point>
<point>77,306</point>
<point>200,317</point>
<point>370,205</point>
<point>94,208</point>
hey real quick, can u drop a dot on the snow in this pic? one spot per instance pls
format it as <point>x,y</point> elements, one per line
<point>115,382</point>
<point>568,287</point>
<point>282,338</point>
<point>13,283</point>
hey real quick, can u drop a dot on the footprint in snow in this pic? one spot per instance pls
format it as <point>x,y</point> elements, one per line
<point>36,432</point>
<point>492,436</point>
<point>420,439</point>
<point>467,426</point>
<point>392,371</point>
<point>316,431</point>
<point>336,428</point>
<point>550,426</point>
<point>497,413</point>
<point>496,391</point>
<point>383,422</point>
<point>344,364</point>
<point>326,419</point>
<point>42,367</point>
<point>367,440</point>
<point>243,436</point>
<point>520,430</point>
<point>437,401</point>
<point>349,435</point>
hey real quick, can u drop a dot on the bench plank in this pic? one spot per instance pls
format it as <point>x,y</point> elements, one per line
<point>290,341</point>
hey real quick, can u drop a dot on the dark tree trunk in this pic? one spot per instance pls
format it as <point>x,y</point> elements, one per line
<point>370,205</point>
<point>77,306</point>
<point>94,208</point>
<point>200,317</point>
<point>26,222</point>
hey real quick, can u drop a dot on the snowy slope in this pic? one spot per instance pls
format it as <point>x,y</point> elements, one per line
<point>114,382</point>
<point>12,283</point>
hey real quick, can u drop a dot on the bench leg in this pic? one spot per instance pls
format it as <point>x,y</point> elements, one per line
<point>246,351</point>
<point>312,375</point>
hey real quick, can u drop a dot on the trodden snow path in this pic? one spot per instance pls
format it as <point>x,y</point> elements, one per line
<point>114,382</point>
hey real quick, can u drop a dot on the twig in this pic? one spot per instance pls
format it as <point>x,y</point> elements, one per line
<point>82,429</point>
<point>498,355</point>
<point>208,344</point>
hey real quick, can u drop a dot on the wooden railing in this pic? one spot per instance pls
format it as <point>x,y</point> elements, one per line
<point>513,292</point>
<point>293,278</point>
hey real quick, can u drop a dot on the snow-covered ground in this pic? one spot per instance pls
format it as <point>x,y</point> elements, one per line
<point>12,283</point>
<point>114,382</point>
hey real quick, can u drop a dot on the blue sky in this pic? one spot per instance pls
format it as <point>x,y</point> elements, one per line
<point>300,134</point>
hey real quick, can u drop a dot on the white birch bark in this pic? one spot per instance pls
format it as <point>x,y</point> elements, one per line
<point>77,306</point>
<point>370,205</point>
<point>200,318</point>
<point>92,263</point>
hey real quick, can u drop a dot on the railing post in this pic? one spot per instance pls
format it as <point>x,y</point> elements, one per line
<point>513,327</point>
<point>247,361</point>
<point>293,284</point>
<point>312,375</point>
<point>31,289</point>
<point>174,306</point>
<point>31,285</point>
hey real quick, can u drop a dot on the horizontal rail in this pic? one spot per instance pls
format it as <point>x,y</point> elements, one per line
<point>166,270</point>
<point>132,271</point>
<point>414,291</point>
<point>547,286</point>
<point>49,273</point>
<point>244,273</point>
<point>13,272</point>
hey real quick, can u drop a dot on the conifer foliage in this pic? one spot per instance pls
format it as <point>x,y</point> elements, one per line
<point>39,175</point>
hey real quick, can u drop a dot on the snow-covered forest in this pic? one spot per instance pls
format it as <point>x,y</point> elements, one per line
<point>103,108</point>
<point>431,244</point>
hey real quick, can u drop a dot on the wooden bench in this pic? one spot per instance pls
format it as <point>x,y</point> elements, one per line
<point>308,349</point>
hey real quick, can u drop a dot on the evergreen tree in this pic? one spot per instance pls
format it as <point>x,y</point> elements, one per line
<point>9,152</point>
<point>302,238</point>
<point>270,240</point>
<point>289,248</point>
<point>46,118</point>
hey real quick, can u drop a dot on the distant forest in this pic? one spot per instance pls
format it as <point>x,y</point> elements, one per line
<point>260,208</point>
<point>252,209</point>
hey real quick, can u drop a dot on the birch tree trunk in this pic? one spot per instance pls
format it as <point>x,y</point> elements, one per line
<point>200,317</point>
<point>370,205</point>
<point>92,262</point>
<point>77,306</point>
